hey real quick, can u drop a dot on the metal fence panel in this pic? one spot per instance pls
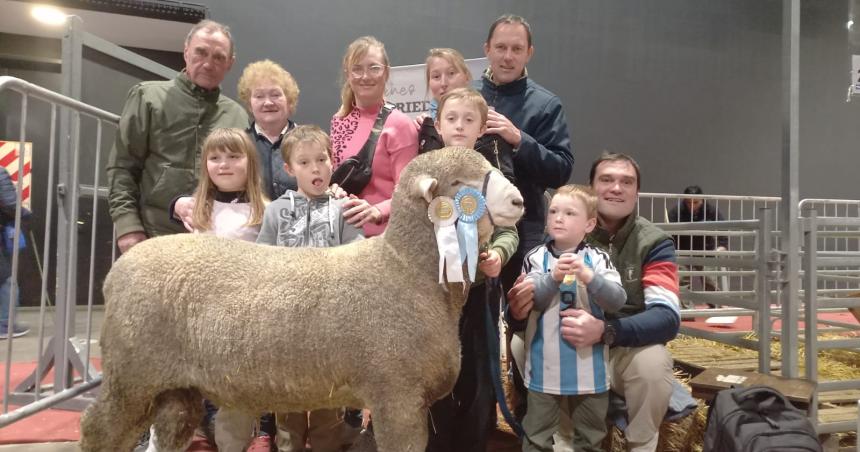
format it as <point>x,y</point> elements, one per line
<point>67,348</point>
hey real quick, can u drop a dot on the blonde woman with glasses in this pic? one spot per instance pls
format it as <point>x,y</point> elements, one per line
<point>365,73</point>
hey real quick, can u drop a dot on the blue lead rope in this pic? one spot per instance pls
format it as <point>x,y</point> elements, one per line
<point>494,355</point>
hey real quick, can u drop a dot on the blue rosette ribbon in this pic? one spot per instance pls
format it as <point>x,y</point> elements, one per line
<point>471,205</point>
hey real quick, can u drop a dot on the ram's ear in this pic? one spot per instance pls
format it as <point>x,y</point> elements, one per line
<point>426,187</point>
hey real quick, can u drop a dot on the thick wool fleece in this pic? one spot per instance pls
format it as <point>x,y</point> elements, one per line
<point>327,332</point>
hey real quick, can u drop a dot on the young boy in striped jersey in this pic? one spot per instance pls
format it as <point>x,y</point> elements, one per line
<point>568,275</point>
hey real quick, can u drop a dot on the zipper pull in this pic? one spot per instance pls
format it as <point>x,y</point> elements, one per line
<point>771,422</point>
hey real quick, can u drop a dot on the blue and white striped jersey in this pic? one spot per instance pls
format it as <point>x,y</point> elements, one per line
<point>553,366</point>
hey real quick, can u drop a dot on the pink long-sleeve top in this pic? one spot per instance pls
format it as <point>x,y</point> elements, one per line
<point>397,145</point>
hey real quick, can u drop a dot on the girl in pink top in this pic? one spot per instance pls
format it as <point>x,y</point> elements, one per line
<point>365,72</point>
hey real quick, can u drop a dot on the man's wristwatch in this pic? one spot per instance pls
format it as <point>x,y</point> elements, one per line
<point>608,333</point>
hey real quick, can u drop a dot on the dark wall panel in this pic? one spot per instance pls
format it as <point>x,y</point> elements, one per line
<point>692,88</point>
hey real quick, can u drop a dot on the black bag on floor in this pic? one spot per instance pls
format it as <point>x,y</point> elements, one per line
<point>757,418</point>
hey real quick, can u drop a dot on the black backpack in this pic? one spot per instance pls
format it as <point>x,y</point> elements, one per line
<point>757,418</point>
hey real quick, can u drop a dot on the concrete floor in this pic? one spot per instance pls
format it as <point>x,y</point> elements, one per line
<point>26,349</point>
<point>46,447</point>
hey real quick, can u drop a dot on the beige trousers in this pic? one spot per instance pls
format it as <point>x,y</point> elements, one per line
<point>643,375</point>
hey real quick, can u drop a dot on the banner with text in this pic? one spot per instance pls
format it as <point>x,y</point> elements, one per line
<point>407,86</point>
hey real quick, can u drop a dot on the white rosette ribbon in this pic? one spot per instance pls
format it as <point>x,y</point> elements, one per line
<point>443,214</point>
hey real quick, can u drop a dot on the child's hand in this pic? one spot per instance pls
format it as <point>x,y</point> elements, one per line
<point>337,191</point>
<point>585,273</point>
<point>563,266</point>
<point>572,264</point>
<point>419,120</point>
<point>183,210</point>
<point>365,417</point>
<point>490,263</point>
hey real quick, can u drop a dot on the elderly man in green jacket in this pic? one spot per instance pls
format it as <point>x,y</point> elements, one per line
<point>156,155</point>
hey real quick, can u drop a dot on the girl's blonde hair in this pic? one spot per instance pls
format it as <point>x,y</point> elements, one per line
<point>355,52</point>
<point>452,56</point>
<point>264,71</point>
<point>232,140</point>
<point>465,94</point>
<point>304,134</point>
<point>584,193</point>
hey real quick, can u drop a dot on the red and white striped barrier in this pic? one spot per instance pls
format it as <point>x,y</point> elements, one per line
<point>10,159</point>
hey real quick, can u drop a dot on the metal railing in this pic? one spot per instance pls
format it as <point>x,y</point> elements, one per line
<point>668,208</point>
<point>836,240</point>
<point>817,269</point>
<point>753,268</point>
<point>829,279</point>
<point>64,353</point>
<point>655,207</point>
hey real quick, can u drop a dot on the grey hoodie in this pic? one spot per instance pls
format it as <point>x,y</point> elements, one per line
<point>295,221</point>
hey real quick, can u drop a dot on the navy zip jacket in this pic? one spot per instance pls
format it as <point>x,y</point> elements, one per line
<point>275,181</point>
<point>544,158</point>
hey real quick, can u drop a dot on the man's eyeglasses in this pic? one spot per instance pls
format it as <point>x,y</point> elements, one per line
<point>374,70</point>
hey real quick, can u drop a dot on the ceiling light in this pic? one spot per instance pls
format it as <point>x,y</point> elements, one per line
<point>49,15</point>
